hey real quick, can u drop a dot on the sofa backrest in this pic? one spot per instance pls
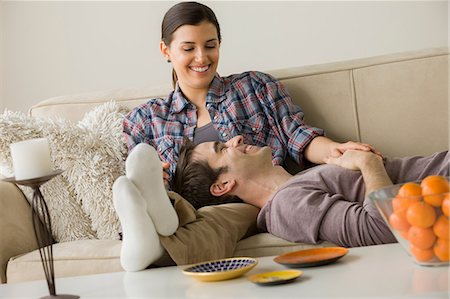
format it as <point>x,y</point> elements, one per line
<point>396,102</point>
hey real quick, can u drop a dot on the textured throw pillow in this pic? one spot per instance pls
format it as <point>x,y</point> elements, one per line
<point>92,154</point>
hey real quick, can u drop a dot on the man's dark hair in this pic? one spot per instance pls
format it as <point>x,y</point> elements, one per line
<point>193,179</point>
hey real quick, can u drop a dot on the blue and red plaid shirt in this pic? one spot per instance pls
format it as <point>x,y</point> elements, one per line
<point>252,104</point>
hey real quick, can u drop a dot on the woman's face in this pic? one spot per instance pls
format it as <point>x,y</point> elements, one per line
<point>194,53</point>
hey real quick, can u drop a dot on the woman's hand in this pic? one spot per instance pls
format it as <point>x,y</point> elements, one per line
<point>355,159</point>
<point>340,148</point>
<point>165,165</point>
<point>321,148</point>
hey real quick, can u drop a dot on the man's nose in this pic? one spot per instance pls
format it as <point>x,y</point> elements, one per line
<point>235,141</point>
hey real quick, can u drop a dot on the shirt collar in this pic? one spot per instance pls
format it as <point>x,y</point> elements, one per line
<point>216,90</point>
<point>179,102</point>
<point>216,94</point>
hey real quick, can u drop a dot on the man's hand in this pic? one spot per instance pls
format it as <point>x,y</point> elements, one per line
<point>340,148</point>
<point>355,159</point>
<point>321,148</point>
<point>165,165</point>
<point>370,165</point>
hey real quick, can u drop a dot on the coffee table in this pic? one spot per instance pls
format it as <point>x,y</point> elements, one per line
<point>373,271</point>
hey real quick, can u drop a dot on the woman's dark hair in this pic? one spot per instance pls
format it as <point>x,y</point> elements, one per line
<point>193,179</point>
<point>186,13</point>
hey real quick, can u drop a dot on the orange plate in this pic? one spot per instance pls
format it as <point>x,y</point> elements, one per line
<point>311,257</point>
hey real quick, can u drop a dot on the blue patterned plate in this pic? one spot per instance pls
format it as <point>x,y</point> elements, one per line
<point>221,269</point>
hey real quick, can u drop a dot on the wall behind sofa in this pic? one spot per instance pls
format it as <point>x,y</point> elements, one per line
<point>58,48</point>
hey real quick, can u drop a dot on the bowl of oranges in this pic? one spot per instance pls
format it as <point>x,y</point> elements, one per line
<point>418,215</point>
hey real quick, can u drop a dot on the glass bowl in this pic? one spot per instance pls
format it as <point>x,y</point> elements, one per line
<point>417,213</point>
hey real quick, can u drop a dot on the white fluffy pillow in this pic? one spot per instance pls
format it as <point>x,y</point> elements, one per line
<point>92,154</point>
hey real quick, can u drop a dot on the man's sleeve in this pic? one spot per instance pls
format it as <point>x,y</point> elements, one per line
<point>351,224</point>
<point>209,233</point>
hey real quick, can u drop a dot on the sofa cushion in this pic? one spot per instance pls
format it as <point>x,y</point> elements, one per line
<point>91,153</point>
<point>16,226</point>
<point>414,93</point>
<point>74,258</point>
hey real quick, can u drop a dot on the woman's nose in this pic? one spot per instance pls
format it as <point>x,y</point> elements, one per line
<point>199,55</point>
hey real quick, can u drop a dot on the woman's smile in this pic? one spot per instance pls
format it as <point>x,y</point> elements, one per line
<point>200,69</point>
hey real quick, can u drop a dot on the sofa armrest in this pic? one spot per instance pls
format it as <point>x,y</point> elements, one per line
<point>16,226</point>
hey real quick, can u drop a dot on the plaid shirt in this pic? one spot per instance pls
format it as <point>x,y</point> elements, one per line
<point>252,104</point>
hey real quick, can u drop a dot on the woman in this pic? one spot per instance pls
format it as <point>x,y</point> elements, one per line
<point>207,107</point>
<point>203,107</point>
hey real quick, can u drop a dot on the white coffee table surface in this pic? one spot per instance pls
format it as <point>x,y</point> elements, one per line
<point>374,271</point>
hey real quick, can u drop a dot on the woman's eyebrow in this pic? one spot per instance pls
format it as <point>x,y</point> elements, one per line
<point>191,43</point>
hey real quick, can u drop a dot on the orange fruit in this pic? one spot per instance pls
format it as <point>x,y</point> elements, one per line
<point>446,205</point>
<point>421,255</point>
<point>404,233</point>
<point>421,214</point>
<point>422,238</point>
<point>398,222</point>
<point>401,204</point>
<point>441,228</point>
<point>433,187</point>
<point>442,249</point>
<point>410,190</point>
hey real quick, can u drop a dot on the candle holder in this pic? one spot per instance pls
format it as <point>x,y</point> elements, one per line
<point>43,230</point>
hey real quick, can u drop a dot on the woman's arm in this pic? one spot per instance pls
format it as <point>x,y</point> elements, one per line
<point>286,120</point>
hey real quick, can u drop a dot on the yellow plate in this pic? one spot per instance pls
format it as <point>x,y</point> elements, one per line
<point>221,269</point>
<point>276,277</point>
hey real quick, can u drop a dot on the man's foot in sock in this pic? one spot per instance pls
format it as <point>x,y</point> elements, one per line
<point>140,244</point>
<point>144,169</point>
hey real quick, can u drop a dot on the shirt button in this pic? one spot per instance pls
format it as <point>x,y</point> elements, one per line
<point>253,129</point>
<point>216,117</point>
<point>224,134</point>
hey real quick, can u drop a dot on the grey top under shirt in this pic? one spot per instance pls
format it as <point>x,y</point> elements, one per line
<point>328,203</point>
<point>206,133</point>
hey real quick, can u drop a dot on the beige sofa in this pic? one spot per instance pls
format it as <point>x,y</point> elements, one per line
<point>398,103</point>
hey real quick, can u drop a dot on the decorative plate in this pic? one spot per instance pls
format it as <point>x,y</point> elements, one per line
<point>311,257</point>
<point>276,277</point>
<point>221,269</point>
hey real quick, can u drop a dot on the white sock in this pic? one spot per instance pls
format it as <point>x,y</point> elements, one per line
<point>144,169</point>
<point>140,244</point>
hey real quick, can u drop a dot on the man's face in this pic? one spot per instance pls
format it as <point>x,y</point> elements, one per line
<point>241,159</point>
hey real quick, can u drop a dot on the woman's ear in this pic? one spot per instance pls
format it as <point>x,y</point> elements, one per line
<point>164,50</point>
<point>222,188</point>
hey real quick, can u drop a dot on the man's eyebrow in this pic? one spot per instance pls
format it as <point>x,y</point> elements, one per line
<point>216,146</point>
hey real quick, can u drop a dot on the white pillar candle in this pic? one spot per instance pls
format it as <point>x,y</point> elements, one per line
<point>31,159</point>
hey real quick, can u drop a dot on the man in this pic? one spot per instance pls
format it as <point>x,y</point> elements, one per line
<point>161,228</point>
<point>323,203</point>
